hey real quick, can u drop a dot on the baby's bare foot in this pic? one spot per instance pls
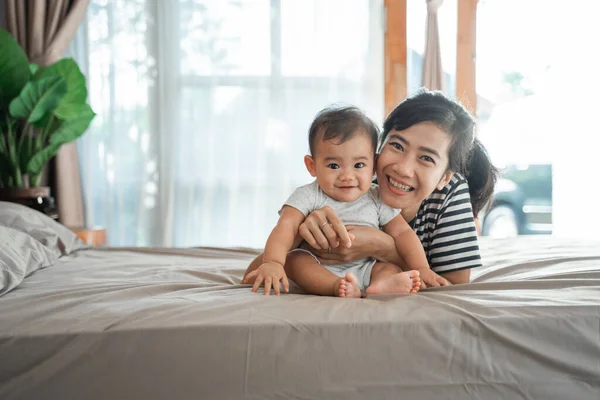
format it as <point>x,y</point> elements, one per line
<point>401,283</point>
<point>348,287</point>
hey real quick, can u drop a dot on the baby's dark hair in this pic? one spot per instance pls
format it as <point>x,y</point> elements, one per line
<point>341,123</point>
<point>466,154</point>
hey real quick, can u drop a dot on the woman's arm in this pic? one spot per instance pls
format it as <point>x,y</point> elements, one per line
<point>366,242</point>
<point>329,239</point>
<point>454,233</point>
<point>458,277</point>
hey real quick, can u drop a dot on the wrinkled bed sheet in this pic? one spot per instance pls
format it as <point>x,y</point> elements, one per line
<point>177,324</point>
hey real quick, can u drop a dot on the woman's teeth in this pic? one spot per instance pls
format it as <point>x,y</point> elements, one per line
<point>399,185</point>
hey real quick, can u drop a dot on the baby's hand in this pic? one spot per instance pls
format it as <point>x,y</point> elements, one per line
<point>272,274</point>
<point>430,278</point>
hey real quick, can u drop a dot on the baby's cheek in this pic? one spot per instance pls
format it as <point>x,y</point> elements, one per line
<point>365,183</point>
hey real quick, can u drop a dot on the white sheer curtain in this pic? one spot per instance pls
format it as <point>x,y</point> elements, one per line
<point>204,108</point>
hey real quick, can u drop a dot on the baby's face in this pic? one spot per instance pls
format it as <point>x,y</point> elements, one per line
<point>344,171</point>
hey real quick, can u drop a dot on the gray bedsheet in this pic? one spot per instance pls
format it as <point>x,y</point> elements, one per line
<point>177,324</point>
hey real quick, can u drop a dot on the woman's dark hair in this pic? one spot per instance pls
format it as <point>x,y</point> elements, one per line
<point>466,154</point>
<point>341,123</point>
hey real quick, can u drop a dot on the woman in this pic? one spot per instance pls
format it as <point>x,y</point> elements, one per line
<point>432,167</point>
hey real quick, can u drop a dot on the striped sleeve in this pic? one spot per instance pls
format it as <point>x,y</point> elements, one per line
<point>453,243</point>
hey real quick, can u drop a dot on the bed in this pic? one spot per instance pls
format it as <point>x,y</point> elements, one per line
<point>150,323</point>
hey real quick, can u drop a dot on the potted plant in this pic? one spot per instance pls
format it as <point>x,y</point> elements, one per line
<point>41,108</point>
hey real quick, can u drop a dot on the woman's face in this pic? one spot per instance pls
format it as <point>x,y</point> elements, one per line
<point>411,165</point>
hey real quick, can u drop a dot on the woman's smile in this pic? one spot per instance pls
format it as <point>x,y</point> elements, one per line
<point>401,187</point>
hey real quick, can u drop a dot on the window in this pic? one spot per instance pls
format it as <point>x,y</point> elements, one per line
<point>536,79</point>
<point>203,110</point>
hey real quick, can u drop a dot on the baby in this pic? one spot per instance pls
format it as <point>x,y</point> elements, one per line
<point>342,144</point>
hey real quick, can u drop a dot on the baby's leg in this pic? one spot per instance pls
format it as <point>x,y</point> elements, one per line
<point>389,278</point>
<point>305,270</point>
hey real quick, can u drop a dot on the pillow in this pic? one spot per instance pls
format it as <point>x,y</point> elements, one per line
<point>20,255</point>
<point>60,239</point>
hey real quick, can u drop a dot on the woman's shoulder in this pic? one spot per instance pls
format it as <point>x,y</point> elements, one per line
<point>458,182</point>
<point>457,186</point>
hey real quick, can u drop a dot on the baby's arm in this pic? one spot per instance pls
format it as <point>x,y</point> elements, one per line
<point>411,250</point>
<point>282,239</point>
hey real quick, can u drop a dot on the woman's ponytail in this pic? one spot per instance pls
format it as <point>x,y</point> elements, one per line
<point>481,175</point>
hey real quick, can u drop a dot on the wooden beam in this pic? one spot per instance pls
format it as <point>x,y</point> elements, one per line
<point>465,54</point>
<point>395,53</point>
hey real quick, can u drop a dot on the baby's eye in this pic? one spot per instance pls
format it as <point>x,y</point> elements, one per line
<point>359,165</point>
<point>333,166</point>
<point>397,146</point>
<point>428,159</point>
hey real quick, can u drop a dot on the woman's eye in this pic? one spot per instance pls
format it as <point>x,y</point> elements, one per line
<point>359,165</point>
<point>333,166</point>
<point>428,159</point>
<point>397,146</point>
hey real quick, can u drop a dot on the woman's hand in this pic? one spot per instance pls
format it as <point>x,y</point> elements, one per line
<point>366,242</point>
<point>322,229</point>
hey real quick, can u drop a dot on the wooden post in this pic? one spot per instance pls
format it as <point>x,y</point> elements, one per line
<point>465,54</point>
<point>395,53</point>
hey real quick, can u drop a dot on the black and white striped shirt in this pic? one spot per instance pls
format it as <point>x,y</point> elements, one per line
<point>446,228</point>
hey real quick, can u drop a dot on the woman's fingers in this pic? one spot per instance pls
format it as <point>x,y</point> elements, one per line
<point>310,230</point>
<point>315,222</point>
<point>321,239</point>
<point>308,237</point>
<point>338,227</point>
<point>322,229</point>
<point>332,256</point>
<point>332,237</point>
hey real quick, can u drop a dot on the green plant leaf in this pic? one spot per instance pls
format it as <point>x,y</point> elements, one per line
<point>72,129</point>
<point>25,152</point>
<point>3,147</point>
<point>38,99</point>
<point>11,143</point>
<point>76,94</point>
<point>37,162</point>
<point>67,131</point>
<point>14,68</point>
<point>33,68</point>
